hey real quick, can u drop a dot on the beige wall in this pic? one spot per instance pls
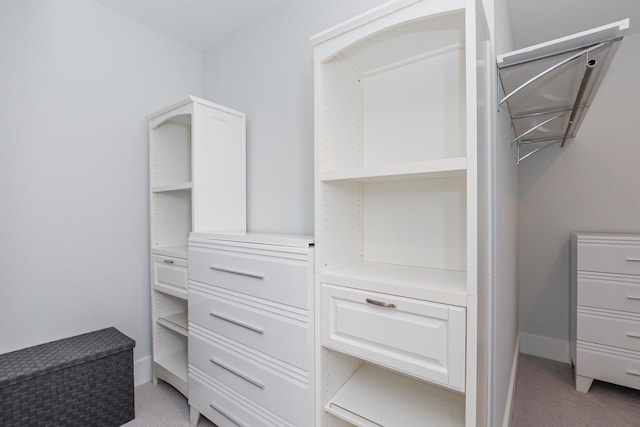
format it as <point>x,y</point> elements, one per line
<point>593,184</point>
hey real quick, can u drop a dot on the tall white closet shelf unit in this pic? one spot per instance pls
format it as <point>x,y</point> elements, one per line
<point>401,96</point>
<point>197,182</point>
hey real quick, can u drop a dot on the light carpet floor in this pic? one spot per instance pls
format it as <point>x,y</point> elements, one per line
<point>545,396</point>
<point>162,406</point>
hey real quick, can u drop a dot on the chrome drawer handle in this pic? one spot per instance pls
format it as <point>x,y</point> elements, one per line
<point>633,297</point>
<point>168,261</point>
<point>237,322</point>
<point>630,372</point>
<point>237,373</point>
<point>633,334</point>
<point>239,272</point>
<point>226,415</point>
<point>633,259</point>
<point>380,303</point>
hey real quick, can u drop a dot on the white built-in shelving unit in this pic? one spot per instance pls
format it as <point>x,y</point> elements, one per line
<point>197,182</point>
<point>401,108</point>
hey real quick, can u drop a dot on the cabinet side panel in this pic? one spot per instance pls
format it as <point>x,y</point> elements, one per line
<point>573,254</point>
<point>219,171</point>
<point>340,223</point>
<point>341,116</point>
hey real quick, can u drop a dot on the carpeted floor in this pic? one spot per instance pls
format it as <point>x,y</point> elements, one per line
<point>545,396</point>
<point>162,406</point>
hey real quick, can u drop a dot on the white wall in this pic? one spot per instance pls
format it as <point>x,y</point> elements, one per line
<point>505,255</point>
<point>76,83</point>
<point>266,71</point>
<point>590,185</point>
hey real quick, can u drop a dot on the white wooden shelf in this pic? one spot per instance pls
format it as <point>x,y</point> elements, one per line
<point>180,186</point>
<point>172,251</point>
<point>415,170</point>
<point>170,290</point>
<point>430,284</point>
<point>176,322</point>
<point>375,397</point>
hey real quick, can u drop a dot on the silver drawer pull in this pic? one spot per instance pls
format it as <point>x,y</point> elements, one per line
<point>633,259</point>
<point>168,261</point>
<point>241,273</point>
<point>380,303</point>
<point>630,372</point>
<point>633,334</point>
<point>226,415</point>
<point>237,373</point>
<point>237,322</point>
<point>633,297</point>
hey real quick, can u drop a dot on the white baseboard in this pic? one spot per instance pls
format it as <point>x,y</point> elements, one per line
<point>549,348</point>
<point>512,385</point>
<point>142,371</point>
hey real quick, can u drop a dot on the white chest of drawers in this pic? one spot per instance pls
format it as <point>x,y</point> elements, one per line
<point>605,308</point>
<point>251,330</point>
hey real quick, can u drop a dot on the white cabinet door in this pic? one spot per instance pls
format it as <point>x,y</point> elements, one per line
<point>420,338</point>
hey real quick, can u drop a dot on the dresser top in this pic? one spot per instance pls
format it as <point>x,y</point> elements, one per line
<point>606,236</point>
<point>290,240</point>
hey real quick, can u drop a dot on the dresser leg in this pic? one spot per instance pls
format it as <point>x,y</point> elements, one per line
<point>583,383</point>
<point>194,416</point>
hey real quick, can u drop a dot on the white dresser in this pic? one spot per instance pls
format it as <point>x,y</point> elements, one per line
<point>251,330</point>
<point>605,308</point>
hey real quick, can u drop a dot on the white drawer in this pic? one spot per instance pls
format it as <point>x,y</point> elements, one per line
<point>169,275</point>
<point>261,381</point>
<point>616,332</point>
<point>623,369</point>
<point>422,339</point>
<point>261,327</point>
<point>611,257</point>
<point>226,408</point>
<point>276,279</point>
<point>609,292</point>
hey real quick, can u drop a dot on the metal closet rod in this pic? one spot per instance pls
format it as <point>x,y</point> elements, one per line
<point>553,67</point>
<point>591,64</point>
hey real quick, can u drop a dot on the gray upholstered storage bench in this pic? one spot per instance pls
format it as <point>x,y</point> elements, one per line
<point>86,380</point>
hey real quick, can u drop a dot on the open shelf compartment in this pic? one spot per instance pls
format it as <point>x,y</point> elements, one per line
<point>380,106</point>
<point>375,397</point>
<point>172,222</point>
<point>406,237</point>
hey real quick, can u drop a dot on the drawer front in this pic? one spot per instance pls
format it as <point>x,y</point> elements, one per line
<point>614,368</point>
<point>271,278</point>
<point>610,257</point>
<point>616,332</point>
<point>609,292</point>
<point>250,324</point>
<point>270,387</point>
<point>224,408</point>
<point>423,339</point>
<point>169,275</point>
